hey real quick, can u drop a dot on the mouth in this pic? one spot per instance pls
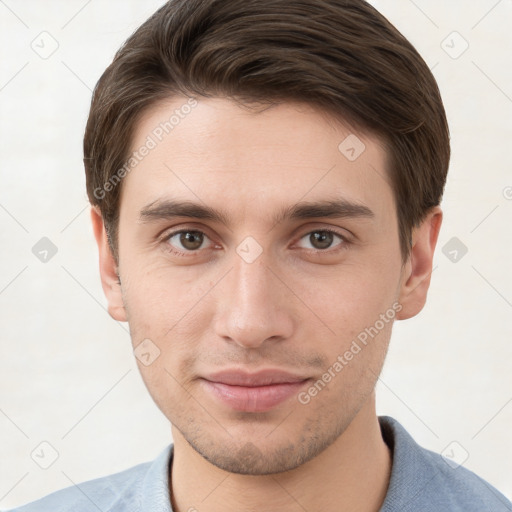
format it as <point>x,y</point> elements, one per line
<point>253,392</point>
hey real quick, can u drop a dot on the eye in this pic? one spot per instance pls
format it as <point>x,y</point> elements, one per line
<point>323,239</point>
<point>186,240</point>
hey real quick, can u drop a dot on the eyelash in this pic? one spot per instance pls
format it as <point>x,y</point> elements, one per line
<point>342,246</point>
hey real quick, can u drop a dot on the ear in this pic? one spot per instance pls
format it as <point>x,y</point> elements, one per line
<point>418,268</point>
<point>108,269</point>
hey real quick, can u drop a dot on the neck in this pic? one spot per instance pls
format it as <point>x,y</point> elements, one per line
<point>352,474</point>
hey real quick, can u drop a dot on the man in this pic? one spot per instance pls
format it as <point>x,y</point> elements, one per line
<point>265,180</point>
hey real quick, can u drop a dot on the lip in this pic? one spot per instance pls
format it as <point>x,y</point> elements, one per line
<point>253,392</point>
<point>264,377</point>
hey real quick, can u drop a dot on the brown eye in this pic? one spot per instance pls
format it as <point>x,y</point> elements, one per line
<point>191,240</point>
<point>186,240</point>
<point>322,239</point>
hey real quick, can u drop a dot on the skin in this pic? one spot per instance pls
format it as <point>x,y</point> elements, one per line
<point>296,307</point>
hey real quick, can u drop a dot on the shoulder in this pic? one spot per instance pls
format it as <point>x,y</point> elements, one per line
<point>422,480</point>
<point>125,491</point>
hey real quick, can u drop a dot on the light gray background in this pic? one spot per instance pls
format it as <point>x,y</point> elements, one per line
<point>67,373</point>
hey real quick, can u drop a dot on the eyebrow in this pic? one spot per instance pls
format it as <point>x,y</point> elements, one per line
<point>168,209</point>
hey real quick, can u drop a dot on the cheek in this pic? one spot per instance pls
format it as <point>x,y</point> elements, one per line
<point>158,297</point>
<point>359,307</point>
<point>164,362</point>
<point>354,363</point>
<point>348,298</point>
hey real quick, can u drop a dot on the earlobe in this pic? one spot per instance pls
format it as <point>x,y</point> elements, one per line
<point>108,269</point>
<point>418,269</point>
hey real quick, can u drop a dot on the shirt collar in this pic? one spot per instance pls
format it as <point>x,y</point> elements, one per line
<point>155,487</point>
<point>410,474</point>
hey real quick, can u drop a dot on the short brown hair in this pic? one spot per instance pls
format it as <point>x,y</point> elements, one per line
<point>341,56</point>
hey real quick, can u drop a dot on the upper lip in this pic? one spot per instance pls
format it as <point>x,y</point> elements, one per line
<point>261,378</point>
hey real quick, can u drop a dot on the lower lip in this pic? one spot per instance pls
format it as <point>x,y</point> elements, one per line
<point>253,399</point>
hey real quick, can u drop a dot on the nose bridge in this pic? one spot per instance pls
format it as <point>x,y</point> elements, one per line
<point>253,306</point>
<point>252,285</point>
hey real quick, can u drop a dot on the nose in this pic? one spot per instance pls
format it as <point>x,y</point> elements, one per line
<point>254,307</point>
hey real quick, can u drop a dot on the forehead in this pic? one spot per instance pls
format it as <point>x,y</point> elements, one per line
<point>221,154</point>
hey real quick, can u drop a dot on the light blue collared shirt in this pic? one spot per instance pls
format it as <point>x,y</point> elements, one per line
<point>421,481</point>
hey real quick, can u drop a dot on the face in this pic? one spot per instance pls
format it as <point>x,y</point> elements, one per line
<point>260,275</point>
